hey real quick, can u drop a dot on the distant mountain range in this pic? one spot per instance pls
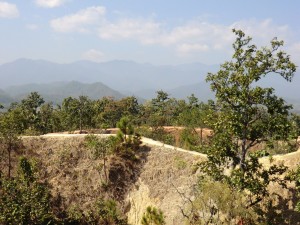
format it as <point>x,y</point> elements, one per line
<point>119,75</point>
<point>117,79</point>
<point>56,92</point>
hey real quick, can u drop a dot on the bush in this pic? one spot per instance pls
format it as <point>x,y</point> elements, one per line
<point>23,199</point>
<point>153,216</point>
<point>158,134</point>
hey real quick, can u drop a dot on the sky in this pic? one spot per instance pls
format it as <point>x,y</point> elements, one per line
<point>159,32</point>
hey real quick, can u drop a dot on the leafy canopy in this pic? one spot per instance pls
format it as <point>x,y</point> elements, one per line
<point>247,114</point>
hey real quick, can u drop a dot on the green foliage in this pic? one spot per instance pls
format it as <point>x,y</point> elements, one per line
<point>101,149</point>
<point>189,139</point>
<point>297,181</point>
<point>126,141</point>
<point>108,213</point>
<point>296,122</point>
<point>193,113</point>
<point>47,123</point>
<point>162,110</point>
<point>157,133</point>
<point>26,200</point>
<point>153,216</point>
<point>125,128</point>
<point>23,199</point>
<point>32,117</point>
<point>77,113</point>
<point>110,111</point>
<point>246,115</point>
<point>180,163</point>
<point>9,135</point>
<point>217,203</point>
<point>104,212</point>
<point>294,176</point>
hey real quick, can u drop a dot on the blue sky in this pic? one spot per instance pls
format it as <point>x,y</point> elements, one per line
<point>145,31</point>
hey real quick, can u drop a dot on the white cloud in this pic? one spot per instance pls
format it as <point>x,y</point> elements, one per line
<point>191,37</point>
<point>263,31</point>
<point>137,29</point>
<point>190,48</point>
<point>50,3</point>
<point>294,52</point>
<point>93,55</point>
<point>188,38</point>
<point>80,21</point>
<point>8,10</point>
<point>149,32</point>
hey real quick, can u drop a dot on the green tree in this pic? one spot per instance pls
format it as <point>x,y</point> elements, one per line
<point>126,129</point>
<point>30,107</point>
<point>246,115</point>
<point>193,116</point>
<point>10,129</point>
<point>130,140</point>
<point>110,113</point>
<point>158,110</point>
<point>85,112</point>
<point>130,106</point>
<point>216,203</point>
<point>101,148</point>
<point>127,142</point>
<point>23,200</point>
<point>46,118</point>
<point>77,113</point>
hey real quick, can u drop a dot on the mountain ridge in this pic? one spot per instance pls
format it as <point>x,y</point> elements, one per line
<point>118,74</point>
<point>125,77</point>
<point>57,91</point>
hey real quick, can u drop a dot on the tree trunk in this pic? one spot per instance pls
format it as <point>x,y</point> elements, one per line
<point>201,136</point>
<point>244,151</point>
<point>9,159</point>
<point>80,122</point>
<point>105,172</point>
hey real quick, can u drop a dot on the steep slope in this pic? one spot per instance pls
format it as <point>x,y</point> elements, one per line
<point>74,175</point>
<point>166,173</point>
<point>162,178</point>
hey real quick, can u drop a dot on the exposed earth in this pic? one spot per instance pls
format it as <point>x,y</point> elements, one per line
<point>163,177</point>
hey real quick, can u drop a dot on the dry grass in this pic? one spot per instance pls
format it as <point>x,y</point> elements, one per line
<point>163,173</point>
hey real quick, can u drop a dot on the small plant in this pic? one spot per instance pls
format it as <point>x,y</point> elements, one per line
<point>158,134</point>
<point>294,176</point>
<point>189,139</point>
<point>127,141</point>
<point>153,216</point>
<point>101,148</point>
<point>180,163</point>
<point>216,203</point>
<point>108,212</point>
